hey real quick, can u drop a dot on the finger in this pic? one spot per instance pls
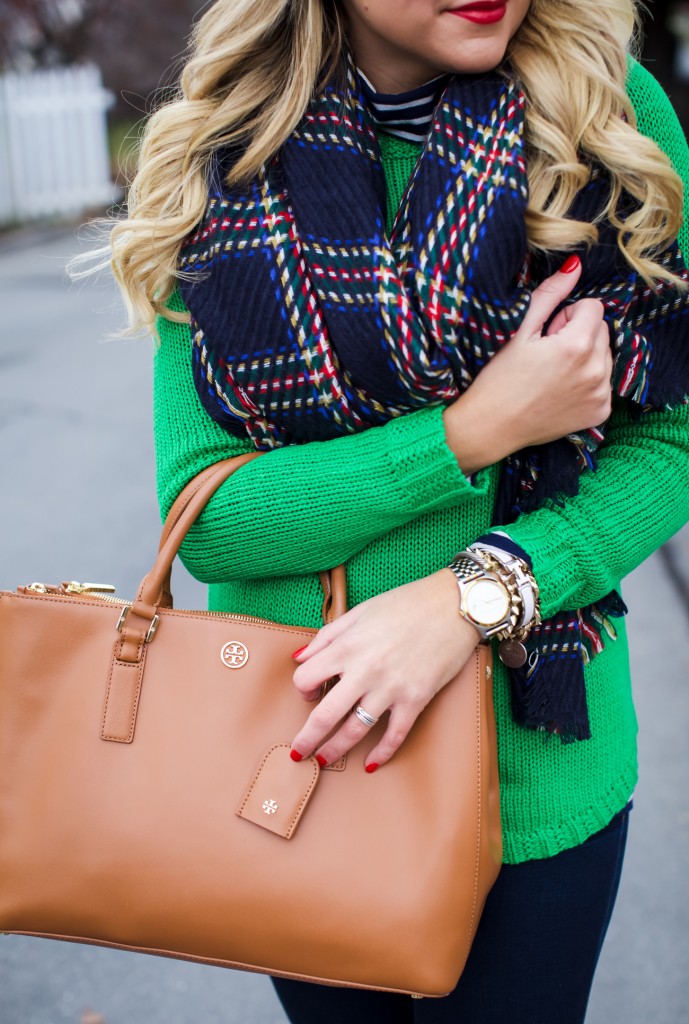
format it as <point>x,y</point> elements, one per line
<point>326,634</point>
<point>602,351</point>
<point>402,718</point>
<point>584,315</point>
<point>559,321</point>
<point>603,340</point>
<point>352,730</point>
<point>547,297</point>
<point>325,718</point>
<point>581,313</point>
<point>610,364</point>
<point>607,368</point>
<point>311,674</point>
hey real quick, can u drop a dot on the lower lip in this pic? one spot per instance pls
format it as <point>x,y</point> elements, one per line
<point>487,16</point>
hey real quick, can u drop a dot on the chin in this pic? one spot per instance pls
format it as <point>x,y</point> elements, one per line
<point>474,57</point>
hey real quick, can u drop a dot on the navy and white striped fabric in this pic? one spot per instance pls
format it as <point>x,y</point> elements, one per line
<point>406,114</point>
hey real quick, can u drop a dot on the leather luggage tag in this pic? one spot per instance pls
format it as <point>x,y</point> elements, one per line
<point>279,791</point>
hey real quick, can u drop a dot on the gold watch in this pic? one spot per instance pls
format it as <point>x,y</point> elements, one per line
<point>488,599</point>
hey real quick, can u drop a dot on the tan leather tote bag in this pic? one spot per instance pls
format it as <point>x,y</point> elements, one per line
<point>148,800</point>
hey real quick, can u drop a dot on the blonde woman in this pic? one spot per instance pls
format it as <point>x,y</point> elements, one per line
<point>424,256</point>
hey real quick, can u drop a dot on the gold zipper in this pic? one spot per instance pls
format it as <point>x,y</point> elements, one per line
<point>97,590</point>
<point>89,588</point>
<point>101,597</point>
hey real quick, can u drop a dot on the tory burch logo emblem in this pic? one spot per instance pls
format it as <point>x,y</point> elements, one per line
<point>234,654</point>
<point>270,807</point>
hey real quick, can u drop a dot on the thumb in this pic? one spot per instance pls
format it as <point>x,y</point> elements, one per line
<point>549,294</point>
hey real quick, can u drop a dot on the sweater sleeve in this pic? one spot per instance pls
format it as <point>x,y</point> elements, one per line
<point>638,497</point>
<point>302,508</point>
<point>656,118</point>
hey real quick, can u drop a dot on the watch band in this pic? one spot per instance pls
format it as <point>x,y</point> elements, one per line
<point>466,567</point>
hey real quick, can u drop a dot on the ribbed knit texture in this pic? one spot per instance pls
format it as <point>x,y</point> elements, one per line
<point>656,118</point>
<point>392,503</point>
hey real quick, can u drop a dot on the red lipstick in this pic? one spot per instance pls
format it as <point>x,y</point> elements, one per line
<point>482,12</point>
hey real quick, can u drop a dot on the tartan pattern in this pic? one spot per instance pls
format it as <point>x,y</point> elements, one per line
<point>412,293</point>
<point>308,322</point>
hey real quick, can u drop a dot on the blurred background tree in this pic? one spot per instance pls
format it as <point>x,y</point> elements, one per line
<point>42,34</point>
<point>139,47</point>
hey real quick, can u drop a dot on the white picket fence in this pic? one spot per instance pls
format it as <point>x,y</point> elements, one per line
<point>53,143</point>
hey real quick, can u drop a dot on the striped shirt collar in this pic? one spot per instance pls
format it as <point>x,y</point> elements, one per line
<point>406,115</point>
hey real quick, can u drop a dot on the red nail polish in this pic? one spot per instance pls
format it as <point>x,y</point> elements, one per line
<point>301,649</point>
<point>571,264</point>
<point>295,755</point>
<point>372,767</point>
<point>321,760</point>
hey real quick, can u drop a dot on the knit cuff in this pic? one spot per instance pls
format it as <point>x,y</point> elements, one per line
<point>552,561</point>
<point>424,465</point>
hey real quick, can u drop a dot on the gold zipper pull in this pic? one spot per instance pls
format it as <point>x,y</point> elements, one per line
<point>41,588</point>
<point>88,588</point>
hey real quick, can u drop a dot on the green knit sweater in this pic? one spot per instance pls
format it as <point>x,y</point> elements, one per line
<point>392,503</point>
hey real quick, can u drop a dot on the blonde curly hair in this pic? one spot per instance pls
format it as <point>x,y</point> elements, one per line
<point>254,65</point>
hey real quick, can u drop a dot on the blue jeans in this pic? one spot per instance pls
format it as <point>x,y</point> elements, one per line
<point>533,958</point>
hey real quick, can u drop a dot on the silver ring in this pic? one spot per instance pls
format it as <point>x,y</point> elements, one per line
<point>364,716</point>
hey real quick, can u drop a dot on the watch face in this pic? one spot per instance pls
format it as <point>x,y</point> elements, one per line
<point>487,602</point>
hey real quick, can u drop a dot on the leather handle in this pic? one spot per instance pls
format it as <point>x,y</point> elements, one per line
<point>178,507</point>
<point>139,621</point>
<point>188,492</point>
<point>155,590</point>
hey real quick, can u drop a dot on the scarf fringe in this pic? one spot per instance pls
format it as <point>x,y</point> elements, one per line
<point>548,693</point>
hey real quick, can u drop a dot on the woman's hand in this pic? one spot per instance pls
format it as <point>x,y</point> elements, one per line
<point>539,387</point>
<point>391,653</point>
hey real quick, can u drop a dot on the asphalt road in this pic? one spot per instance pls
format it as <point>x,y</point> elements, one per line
<point>78,502</point>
